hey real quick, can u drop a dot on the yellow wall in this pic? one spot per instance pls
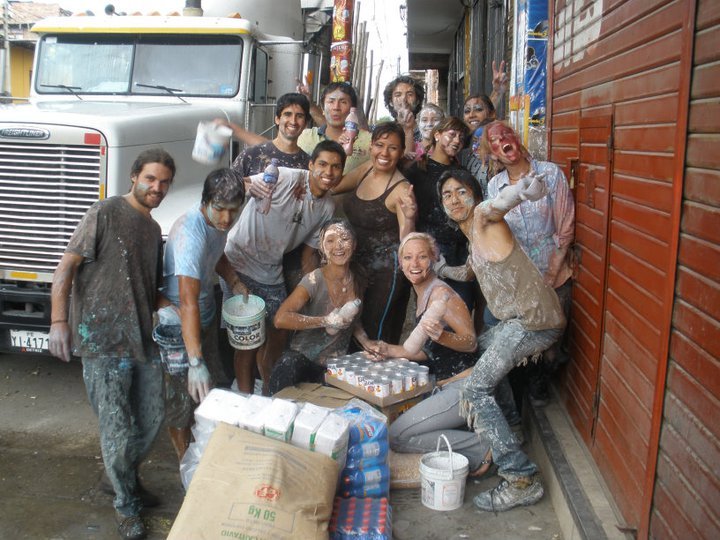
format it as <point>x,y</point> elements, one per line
<point>21,61</point>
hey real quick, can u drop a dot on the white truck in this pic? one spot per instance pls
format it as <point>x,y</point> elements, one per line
<point>103,90</point>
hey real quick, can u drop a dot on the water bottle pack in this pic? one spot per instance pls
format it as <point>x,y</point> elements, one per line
<point>361,519</point>
<point>366,473</point>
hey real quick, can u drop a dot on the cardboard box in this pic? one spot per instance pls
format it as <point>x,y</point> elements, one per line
<point>391,406</point>
<point>250,486</point>
<point>317,394</point>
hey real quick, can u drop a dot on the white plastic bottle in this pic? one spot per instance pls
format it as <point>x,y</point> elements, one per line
<point>270,177</point>
<point>343,314</point>
<point>352,126</point>
<point>414,342</point>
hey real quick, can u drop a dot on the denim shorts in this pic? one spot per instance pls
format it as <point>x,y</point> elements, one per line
<point>273,295</point>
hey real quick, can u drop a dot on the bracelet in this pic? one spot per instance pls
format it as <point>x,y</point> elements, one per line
<point>57,321</point>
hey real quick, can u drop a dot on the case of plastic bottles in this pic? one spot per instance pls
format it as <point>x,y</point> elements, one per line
<point>366,472</point>
<point>361,519</point>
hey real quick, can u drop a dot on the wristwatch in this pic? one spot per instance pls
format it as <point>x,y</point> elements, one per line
<point>195,361</point>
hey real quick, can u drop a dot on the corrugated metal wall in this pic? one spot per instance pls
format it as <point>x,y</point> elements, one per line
<point>686,502</point>
<point>617,77</point>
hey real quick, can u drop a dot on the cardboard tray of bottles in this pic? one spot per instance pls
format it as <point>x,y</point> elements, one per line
<point>383,390</point>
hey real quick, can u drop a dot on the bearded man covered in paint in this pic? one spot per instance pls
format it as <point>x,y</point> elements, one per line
<point>404,98</point>
<point>257,243</point>
<point>113,264</point>
<point>194,253</point>
<point>530,320</point>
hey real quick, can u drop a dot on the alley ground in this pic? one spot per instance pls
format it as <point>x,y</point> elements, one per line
<point>50,468</point>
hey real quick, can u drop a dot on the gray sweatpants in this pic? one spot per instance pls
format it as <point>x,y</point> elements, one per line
<point>417,429</point>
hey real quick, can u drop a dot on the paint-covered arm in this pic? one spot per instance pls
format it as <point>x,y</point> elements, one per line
<point>564,216</point>
<point>198,374</point>
<point>461,336</point>
<point>530,187</point>
<point>225,270</point>
<point>190,315</point>
<point>456,273</point>
<point>60,345</point>
<point>406,210</point>
<point>288,316</point>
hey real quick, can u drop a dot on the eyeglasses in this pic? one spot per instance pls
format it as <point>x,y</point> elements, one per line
<point>475,108</point>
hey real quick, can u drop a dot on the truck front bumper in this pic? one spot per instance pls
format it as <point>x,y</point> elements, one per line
<point>24,317</point>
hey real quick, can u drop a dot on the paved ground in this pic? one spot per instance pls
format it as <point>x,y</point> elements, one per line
<point>50,468</point>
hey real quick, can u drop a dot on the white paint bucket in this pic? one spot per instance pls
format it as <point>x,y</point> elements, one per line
<point>245,322</point>
<point>211,142</point>
<point>442,476</point>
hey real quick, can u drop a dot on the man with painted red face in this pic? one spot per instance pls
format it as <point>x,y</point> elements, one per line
<point>544,229</point>
<point>113,265</point>
<point>193,256</point>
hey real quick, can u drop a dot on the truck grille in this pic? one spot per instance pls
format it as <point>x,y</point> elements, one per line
<point>45,189</point>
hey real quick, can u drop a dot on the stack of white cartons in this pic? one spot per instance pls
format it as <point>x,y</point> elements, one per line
<point>310,427</point>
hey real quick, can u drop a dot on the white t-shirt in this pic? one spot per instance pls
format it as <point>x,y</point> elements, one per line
<point>257,242</point>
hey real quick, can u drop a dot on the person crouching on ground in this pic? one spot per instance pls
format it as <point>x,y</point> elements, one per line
<point>447,347</point>
<point>193,256</point>
<point>531,319</point>
<point>314,311</point>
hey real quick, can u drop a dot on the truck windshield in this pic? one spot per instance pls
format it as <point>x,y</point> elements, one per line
<point>139,65</point>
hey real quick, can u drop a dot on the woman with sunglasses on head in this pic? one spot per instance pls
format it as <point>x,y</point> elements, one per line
<point>446,141</point>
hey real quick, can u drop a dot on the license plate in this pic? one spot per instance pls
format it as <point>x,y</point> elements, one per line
<point>29,341</point>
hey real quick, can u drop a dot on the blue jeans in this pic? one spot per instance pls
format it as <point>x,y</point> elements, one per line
<point>417,429</point>
<point>127,397</point>
<point>508,344</point>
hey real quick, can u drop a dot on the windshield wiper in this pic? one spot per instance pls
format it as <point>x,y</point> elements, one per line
<point>70,89</point>
<point>171,91</point>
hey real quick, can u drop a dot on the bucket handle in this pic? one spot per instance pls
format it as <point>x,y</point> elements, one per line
<point>447,443</point>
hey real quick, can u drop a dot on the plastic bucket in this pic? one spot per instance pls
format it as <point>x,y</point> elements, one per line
<point>172,347</point>
<point>211,142</point>
<point>245,322</point>
<point>442,478</point>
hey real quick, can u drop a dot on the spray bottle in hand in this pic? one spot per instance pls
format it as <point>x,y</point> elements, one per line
<point>342,316</point>
<point>435,311</point>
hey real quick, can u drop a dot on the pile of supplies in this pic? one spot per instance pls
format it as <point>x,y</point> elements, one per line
<point>274,469</point>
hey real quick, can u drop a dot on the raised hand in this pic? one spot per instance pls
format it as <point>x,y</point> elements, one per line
<point>408,205</point>
<point>500,79</point>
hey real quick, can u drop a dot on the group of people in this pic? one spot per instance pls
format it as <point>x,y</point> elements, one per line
<point>413,207</point>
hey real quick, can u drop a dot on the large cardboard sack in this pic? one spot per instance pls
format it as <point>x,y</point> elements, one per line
<point>250,486</point>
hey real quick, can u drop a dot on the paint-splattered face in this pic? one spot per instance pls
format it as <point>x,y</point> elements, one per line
<point>337,244</point>
<point>325,173</point>
<point>336,107</point>
<point>458,200</point>
<point>386,152</point>
<point>404,97</point>
<point>291,122</point>
<point>416,261</point>
<point>222,216</point>
<point>475,113</point>
<point>427,120</point>
<point>151,185</point>
<point>505,146</point>
<point>449,142</point>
